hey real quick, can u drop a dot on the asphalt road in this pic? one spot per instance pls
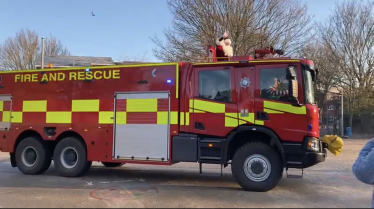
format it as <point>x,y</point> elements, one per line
<point>330,184</point>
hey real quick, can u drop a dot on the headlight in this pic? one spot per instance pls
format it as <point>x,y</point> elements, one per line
<point>313,144</point>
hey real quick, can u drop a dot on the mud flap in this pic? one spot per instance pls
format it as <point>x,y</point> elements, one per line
<point>13,160</point>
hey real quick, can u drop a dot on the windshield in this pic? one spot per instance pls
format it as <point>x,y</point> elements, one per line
<point>309,91</point>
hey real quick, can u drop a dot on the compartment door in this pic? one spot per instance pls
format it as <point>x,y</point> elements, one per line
<point>142,126</point>
<point>5,112</point>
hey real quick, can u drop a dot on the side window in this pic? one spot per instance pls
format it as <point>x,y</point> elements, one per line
<point>215,85</point>
<point>274,84</point>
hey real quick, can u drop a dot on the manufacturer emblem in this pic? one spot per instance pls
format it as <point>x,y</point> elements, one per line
<point>244,83</point>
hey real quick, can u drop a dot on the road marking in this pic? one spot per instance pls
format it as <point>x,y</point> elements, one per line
<point>122,181</point>
<point>89,183</point>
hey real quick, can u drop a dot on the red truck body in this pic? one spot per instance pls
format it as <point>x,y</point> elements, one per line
<point>161,113</point>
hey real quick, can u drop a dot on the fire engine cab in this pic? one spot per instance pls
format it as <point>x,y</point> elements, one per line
<point>256,114</point>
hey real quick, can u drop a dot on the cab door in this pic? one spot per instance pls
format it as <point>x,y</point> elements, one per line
<point>213,108</point>
<point>272,109</point>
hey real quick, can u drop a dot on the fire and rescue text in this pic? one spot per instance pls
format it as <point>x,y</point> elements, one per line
<point>71,76</point>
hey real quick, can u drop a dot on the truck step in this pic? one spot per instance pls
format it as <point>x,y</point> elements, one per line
<point>293,175</point>
<point>201,169</point>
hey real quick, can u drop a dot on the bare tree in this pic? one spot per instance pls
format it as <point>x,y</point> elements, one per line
<point>130,59</point>
<point>251,24</point>
<point>349,37</point>
<point>328,74</point>
<point>53,46</point>
<point>21,51</point>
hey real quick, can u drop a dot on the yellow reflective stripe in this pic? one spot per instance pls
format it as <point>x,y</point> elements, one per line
<point>141,105</point>
<point>181,121</point>
<point>6,116</point>
<point>259,122</point>
<point>162,117</point>
<point>272,111</point>
<point>1,105</point>
<point>187,119</point>
<point>250,118</point>
<point>191,104</point>
<point>16,117</point>
<point>106,117</point>
<point>173,117</point>
<point>34,106</point>
<point>88,105</point>
<point>58,117</point>
<point>93,67</point>
<point>285,107</point>
<point>235,62</point>
<point>121,118</point>
<point>209,106</point>
<point>231,120</point>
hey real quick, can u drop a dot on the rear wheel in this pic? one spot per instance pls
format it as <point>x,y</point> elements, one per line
<point>70,157</point>
<point>32,156</point>
<point>112,165</point>
<point>257,167</point>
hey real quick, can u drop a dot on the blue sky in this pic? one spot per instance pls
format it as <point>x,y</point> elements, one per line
<point>120,27</point>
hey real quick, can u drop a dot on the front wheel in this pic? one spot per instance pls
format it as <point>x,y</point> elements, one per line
<point>70,157</point>
<point>257,167</point>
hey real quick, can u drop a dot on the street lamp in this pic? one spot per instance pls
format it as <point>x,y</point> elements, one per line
<point>42,53</point>
<point>341,117</point>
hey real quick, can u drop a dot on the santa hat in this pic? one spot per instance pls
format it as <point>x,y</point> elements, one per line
<point>224,36</point>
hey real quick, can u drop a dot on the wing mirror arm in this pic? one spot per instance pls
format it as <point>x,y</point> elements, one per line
<point>293,93</point>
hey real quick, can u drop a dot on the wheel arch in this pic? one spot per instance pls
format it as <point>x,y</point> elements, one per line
<point>74,134</point>
<point>237,138</point>
<point>25,134</point>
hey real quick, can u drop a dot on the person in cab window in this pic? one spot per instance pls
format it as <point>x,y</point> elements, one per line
<point>275,88</point>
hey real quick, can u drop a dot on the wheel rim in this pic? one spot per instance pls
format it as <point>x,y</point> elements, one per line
<point>69,157</point>
<point>29,156</point>
<point>257,167</point>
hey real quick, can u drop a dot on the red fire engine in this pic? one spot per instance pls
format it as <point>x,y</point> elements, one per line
<point>229,112</point>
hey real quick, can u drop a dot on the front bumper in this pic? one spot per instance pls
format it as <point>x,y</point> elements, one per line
<point>299,156</point>
<point>313,158</point>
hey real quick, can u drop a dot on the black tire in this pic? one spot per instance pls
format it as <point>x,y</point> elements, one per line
<point>71,147</point>
<point>112,165</point>
<point>33,147</point>
<point>264,153</point>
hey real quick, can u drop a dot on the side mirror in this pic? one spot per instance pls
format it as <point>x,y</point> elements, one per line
<point>293,90</point>
<point>291,73</point>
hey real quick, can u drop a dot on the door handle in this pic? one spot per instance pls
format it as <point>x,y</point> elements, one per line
<point>244,113</point>
<point>262,116</point>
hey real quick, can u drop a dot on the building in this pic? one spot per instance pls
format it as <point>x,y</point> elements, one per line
<point>331,112</point>
<point>60,61</point>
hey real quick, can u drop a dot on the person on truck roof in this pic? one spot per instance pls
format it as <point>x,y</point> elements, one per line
<point>363,168</point>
